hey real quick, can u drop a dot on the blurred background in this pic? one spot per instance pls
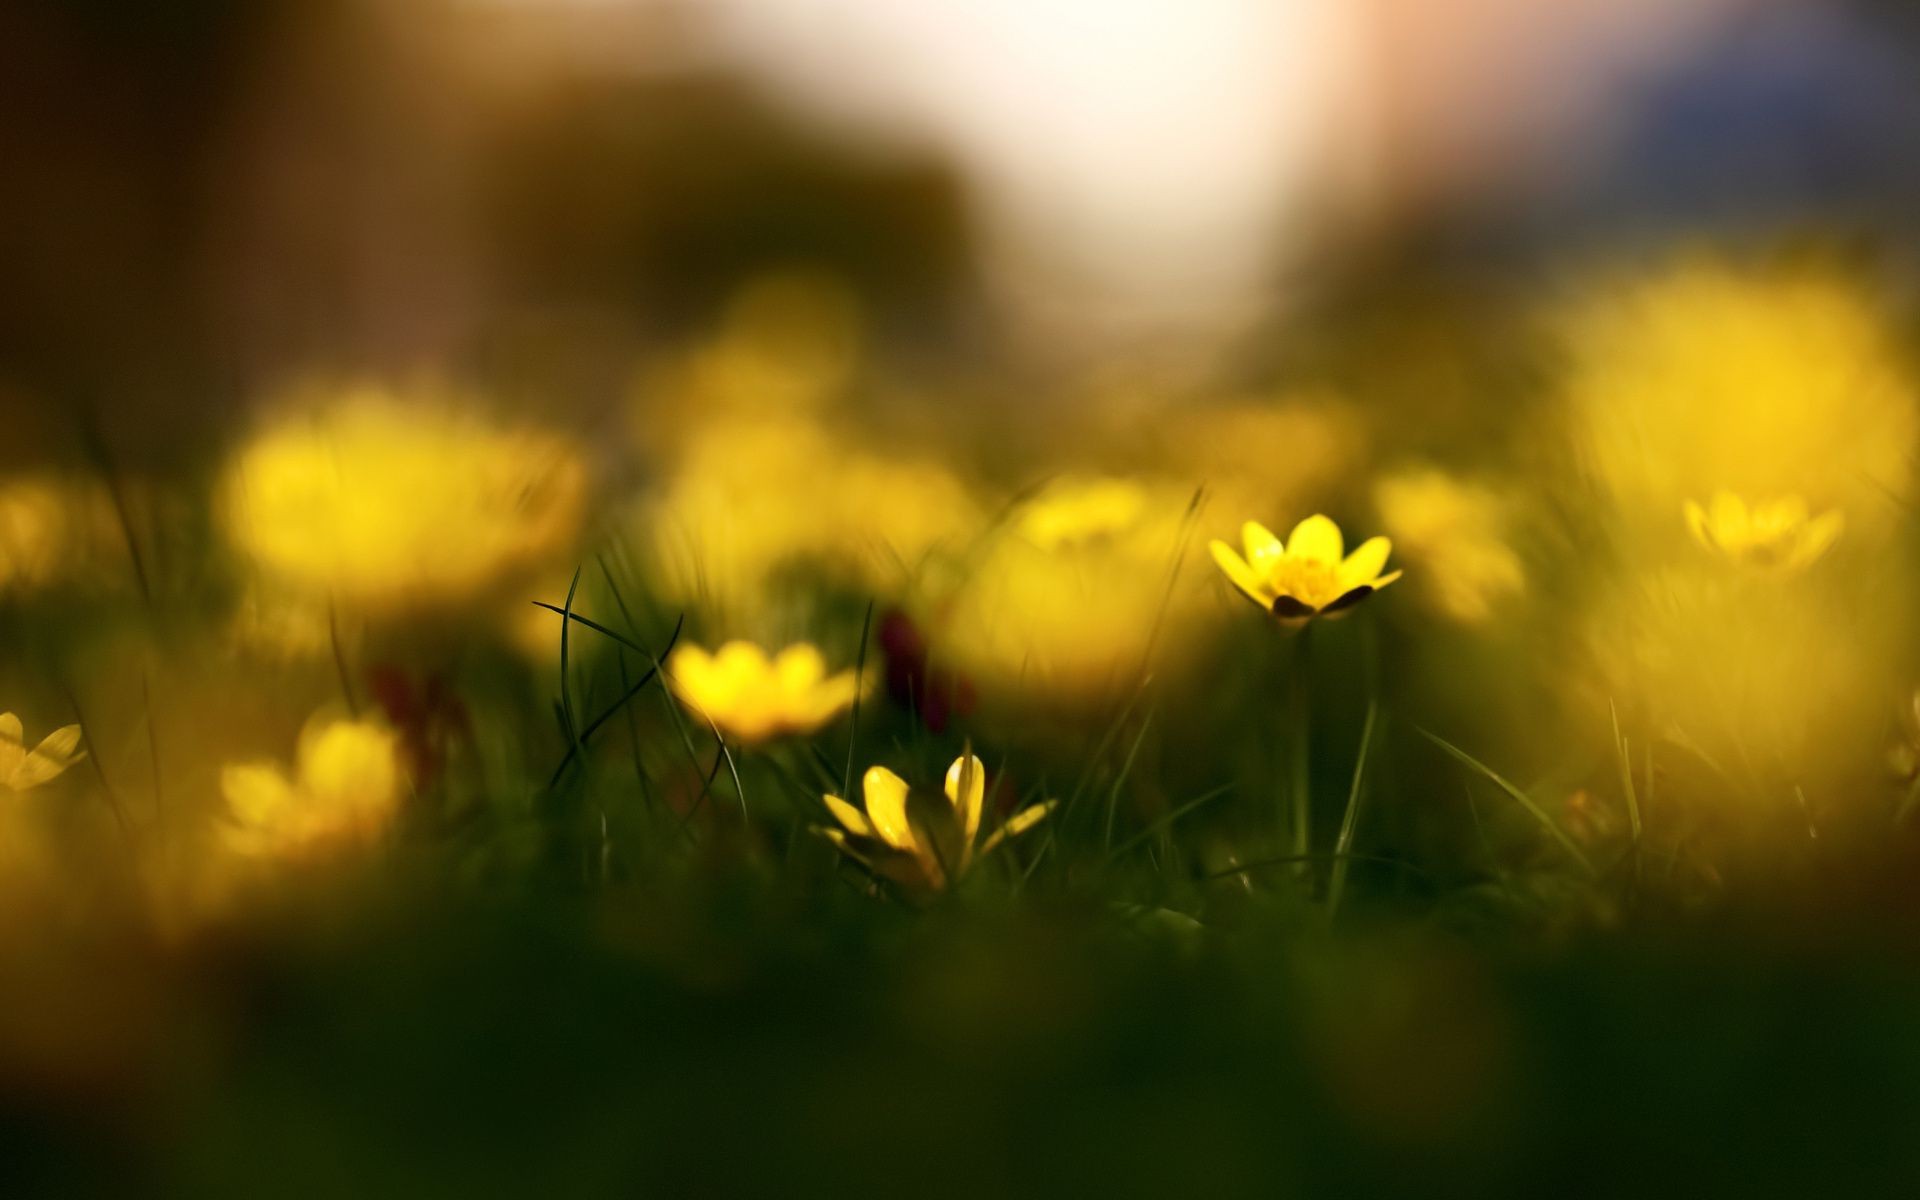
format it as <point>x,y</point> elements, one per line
<point>944,336</point>
<point>205,197</point>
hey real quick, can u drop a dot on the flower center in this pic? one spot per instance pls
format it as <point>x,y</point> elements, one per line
<point>1308,580</point>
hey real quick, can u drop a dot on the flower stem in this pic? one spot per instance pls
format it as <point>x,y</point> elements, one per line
<point>1300,761</point>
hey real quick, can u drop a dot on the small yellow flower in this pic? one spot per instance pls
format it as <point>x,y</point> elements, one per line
<point>753,698</point>
<point>1775,534</point>
<point>923,847</point>
<point>1310,575</point>
<point>390,504</point>
<point>1455,532</point>
<point>22,769</point>
<point>1079,511</point>
<point>345,792</point>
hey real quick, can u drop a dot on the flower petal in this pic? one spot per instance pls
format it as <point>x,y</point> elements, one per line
<point>1316,539</point>
<point>690,671</point>
<point>1817,538</point>
<point>1347,600</point>
<point>258,795</point>
<point>1260,544</point>
<point>1364,564</point>
<point>741,664</point>
<point>887,808</point>
<point>54,754</point>
<point>799,667</point>
<point>1018,824</point>
<point>13,748</point>
<point>855,821</point>
<point>967,790</point>
<point>1727,515</point>
<point>1291,608</point>
<point>1240,574</point>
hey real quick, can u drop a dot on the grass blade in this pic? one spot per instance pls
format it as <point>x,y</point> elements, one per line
<point>1525,801</point>
<point>1343,845</point>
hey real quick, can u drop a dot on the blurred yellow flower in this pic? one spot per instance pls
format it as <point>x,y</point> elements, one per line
<point>748,500</point>
<point>1254,454</point>
<point>1454,533</point>
<point>1752,680</point>
<point>1062,606</point>
<point>1773,534</point>
<point>381,505</point>
<point>50,527</point>
<point>1079,511</point>
<point>22,769</point>
<point>923,847</point>
<point>344,792</point>
<point>753,698</point>
<point>1310,574</point>
<point>1764,382</point>
<point>788,340</point>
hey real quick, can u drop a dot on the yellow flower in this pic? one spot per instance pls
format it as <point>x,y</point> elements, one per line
<point>1310,575</point>
<point>387,506</point>
<point>1762,380</point>
<point>22,769</point>
<point>753,698</point>
<point>1773,534</point>
<point>923,847</point>
<point>1063,606</point>
<point>748,500</point>
<point>345,792</point>
<point>1454,532</point>
<point>1076,512</point>
<point>53,530</point>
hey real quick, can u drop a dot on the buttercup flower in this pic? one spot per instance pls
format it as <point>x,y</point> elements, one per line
<point>22,769</point>
<point>1065,605</point>
<point>344,792</point>
<point>385,504</point>
<point>923,847</point>
<point>753,698</point>
<point>1774,534</point>
<point>1077,511</point>
<point>1307,576</point>
<point>1455,532</point>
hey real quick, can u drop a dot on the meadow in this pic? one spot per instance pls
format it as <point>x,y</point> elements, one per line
<point>1475,749</point>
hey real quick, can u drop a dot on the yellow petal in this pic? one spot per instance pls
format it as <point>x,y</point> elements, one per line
<point>855,821</point>
<point>967,790</point>
<point>1242,576</point>
<point>1818,537</point>
<point>835,694</point>
<point>741,664</point>
<point>1365,563</point>
<point>1316,539</point>
<point>1018,824</point>
<point>887,808</point>
<point>258,794</point>
<point>350,766</point>
<point>13,749</point>
<point>1261,546</point>
<point>54,754</point>
<point>1386,579</point>
<point>799,667</point>
<point>1727,514</point>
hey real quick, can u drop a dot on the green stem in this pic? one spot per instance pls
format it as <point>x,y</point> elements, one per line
<point>1300,760</point>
